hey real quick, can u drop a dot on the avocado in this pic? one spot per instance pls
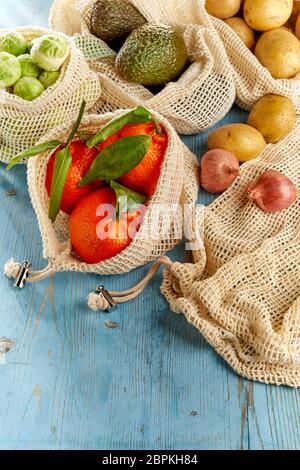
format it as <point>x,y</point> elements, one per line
<point>112,20</point>
<point>152,55</point>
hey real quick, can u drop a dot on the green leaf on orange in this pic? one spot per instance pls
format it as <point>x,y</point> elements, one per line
<point>126,199</point>
<point>118,159</point>
<point>63,161</point>
<point>77,123</point>
<point>33,152</point>
<point>84,134</point>
<point>138,115</point>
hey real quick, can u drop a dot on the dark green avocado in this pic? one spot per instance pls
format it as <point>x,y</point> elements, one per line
<point>152,55</point>
<point>113,20</point>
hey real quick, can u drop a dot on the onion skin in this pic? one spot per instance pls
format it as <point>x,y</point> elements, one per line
<point>219,168</point>
<point>272,191</point>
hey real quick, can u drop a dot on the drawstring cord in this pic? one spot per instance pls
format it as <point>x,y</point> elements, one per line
<point>102,300</point>
<point>22,274</point>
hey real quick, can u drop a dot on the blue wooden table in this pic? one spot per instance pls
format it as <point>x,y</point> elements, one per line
<point>71,381</point>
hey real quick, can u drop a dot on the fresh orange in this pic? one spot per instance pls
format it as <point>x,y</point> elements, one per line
<point>110,140</point>
<point>96,234</point>
<point>82,158</point>
<point>144,177</point>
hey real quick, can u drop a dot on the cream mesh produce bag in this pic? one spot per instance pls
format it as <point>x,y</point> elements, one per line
<point>243,292</point>
<point>23,123</point>
<point>201,96</point>
<point>241,286</point>
<point>177,185</point>
<point>252,80</point>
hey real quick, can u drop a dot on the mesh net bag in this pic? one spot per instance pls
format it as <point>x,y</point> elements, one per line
<point>177,185</point>
<point>23,123</point>
<point>252,80</point>
<point>241,286</point>
<point>243,290</point>
<point>201,96</point>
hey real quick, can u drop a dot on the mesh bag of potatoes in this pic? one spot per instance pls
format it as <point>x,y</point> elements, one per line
<point>261,38</point>
<point>243,290</point>
<point>190,85</point>
<point>71,241</point>
<point>34,100</point>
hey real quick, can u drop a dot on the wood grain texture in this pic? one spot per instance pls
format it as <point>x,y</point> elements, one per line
<point>72,381</point>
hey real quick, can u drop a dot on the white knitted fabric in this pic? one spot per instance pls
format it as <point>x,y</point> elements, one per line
<point>201,96</point>
<point>243,292</point>
<point>23,123</point>
<point>12,269</point>
<point>177,185</point>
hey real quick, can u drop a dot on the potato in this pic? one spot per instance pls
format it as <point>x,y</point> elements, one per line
<point>297,27</point>
<point>245,33</point>
<point>222,9</point>
<point>263,15</point>
<point>274,117</point>
<point>242,140</point>
<point>279,51</point>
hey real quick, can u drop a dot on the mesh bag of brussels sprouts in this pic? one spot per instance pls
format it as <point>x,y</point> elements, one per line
<point>266,61</point>
<point>43,79</point>
<point>180,69</point>
<point>166,178</point>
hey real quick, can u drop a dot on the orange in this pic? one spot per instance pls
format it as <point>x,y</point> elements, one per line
<point>110,140</point>
<point>144,177</point>
<point>96,234</point>
<point>82,158</point>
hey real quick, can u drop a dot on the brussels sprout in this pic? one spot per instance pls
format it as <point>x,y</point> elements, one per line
<point>10,69</point>
<point>28,88</point>
<point>48,79</point>
<point>13,43</point>
<point>28,67</point>
<point>50,52</point>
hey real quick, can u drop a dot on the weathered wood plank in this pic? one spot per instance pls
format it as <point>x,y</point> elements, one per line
<point>71,381</point>
<point>274,417</point>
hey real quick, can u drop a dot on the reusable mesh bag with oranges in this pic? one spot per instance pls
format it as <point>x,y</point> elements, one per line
<point>202,95</point>
<point>241,286</point>
<point>23,123</point>
<point>112,184</point>
<point>252,78</point>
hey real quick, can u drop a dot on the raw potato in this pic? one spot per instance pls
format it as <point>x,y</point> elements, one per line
<point>279,51</point>
<point>222,8</point>
<point>297,27</point>
<point>244,31</point>
<point>242,140</point>
<point>263,15</point>
<point>274,117</point>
